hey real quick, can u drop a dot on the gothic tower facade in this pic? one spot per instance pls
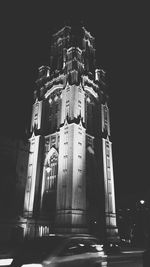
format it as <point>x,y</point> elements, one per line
<point>70,183</point>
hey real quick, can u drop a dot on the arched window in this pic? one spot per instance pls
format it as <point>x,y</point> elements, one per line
<point>52,113</point>
<point>51,172</point>
<point>51,166</point>
<point>49,184</point>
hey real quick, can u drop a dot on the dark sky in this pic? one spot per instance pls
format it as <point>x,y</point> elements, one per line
<point>121,31</point>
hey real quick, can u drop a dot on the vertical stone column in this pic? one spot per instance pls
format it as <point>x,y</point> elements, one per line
<point>109,189</point>
<point>32,176</point>
<point>71,198</point>
<point>109,192</point>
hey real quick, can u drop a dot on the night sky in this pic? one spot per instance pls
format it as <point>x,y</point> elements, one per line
<point>121,31</point>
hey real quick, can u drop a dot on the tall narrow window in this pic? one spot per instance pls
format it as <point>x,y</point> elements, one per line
<point>50,182</point>
<point>51,173</point>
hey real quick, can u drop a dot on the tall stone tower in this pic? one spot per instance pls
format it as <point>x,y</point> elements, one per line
<point>70,183</point>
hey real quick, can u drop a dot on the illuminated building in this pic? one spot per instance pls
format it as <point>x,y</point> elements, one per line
<point>70,179</point>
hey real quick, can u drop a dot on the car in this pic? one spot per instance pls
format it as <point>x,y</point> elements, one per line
<point>60,250</point>
<point>112,248</point>
<point>125,242</point>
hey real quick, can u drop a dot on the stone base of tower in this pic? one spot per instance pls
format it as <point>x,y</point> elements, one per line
<point>36,227</point>
<point>112,235</point>
<point>71,221</point>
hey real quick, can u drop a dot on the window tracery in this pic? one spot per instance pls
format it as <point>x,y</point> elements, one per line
<point>51,172</point>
